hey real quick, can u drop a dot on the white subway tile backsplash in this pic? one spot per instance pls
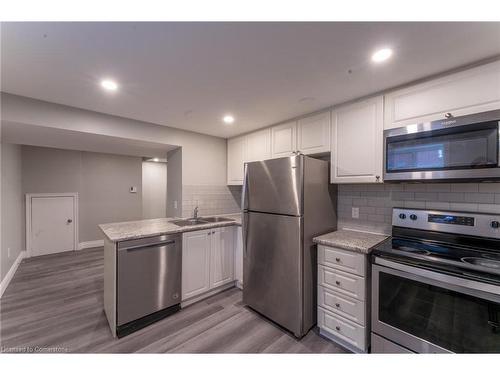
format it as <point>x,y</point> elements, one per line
<point>489,188</point>
<point>469,188</point>
<point>376,201</point>
<point>210,199</point>
<point>479,197</point>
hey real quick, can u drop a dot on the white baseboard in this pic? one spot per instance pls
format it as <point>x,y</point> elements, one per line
<point>6,280</point>
<point>90,244</point>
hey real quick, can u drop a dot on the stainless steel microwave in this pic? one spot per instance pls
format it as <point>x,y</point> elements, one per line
<point>456,148</point>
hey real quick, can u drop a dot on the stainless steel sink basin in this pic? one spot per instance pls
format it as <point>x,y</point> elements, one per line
<point>186,222</point>
<point>200,220</point>
<point>216,219</point>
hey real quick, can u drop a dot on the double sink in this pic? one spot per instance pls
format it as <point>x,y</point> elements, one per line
<point>200,220</point>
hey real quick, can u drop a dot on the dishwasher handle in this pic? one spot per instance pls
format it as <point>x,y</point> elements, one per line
<point>145,246</point>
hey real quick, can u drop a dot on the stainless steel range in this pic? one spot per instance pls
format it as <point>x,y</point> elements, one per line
<point>436,283</point>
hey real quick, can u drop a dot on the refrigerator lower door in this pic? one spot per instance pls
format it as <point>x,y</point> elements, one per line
<point>272,276</point>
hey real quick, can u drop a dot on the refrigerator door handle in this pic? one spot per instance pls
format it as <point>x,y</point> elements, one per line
<point>244,195</point>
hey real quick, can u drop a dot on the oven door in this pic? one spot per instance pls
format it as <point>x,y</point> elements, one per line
<point>431,312</point>
<point>433,151</point>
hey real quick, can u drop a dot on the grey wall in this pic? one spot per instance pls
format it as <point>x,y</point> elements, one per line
<point>174,183</point>
<point>375,201</point>
<point>101,180</point>
<point>12,207</point>
<point>154,189</point>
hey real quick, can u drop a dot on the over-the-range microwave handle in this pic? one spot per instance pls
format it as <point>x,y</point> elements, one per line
<point>473,288</point>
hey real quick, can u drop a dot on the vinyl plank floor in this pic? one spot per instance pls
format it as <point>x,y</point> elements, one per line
<point>55,304</point>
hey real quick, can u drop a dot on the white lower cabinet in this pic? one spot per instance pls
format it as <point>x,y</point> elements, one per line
<point>222,257</point>
<point>343,311</point>
<point>207,260</point>
<point>195,263</point>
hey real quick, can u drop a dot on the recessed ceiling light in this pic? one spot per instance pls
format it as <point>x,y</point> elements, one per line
<point>228,119</point>
<point>156,159</point>
<point>382,55</point>
<point>109,85</point>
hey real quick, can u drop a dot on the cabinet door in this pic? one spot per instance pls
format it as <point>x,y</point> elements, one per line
<point>259,145</point>
<point>238,257</point>
<point>357,142</point>
<point>283,139</point>
<point>236,156</point>
<point>471,91</point>
<point>222,260</point>
<point>195,263</point>
<point>313,134</point>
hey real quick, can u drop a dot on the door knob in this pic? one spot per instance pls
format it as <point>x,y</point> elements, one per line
<point>69,221</point>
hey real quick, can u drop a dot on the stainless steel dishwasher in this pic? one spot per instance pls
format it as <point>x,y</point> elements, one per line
<point>148,281</point>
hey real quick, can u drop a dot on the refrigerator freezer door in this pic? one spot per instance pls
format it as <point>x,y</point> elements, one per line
<point>272,274</point>
<point>274,186</point>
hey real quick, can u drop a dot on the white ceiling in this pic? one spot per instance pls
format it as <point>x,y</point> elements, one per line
<point>188,75</point>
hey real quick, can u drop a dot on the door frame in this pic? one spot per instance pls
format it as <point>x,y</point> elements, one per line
<point>29,197</point>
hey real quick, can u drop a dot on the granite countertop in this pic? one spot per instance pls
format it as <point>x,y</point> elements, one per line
<point>352,240</point>
<point>129,230</point>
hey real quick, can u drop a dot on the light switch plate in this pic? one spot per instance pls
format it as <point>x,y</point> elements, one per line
<point>133,189</point>
<point>355,212</point>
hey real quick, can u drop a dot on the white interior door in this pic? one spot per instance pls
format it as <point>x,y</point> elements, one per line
<point>52,224</point>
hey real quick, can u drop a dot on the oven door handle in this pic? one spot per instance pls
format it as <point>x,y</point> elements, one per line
<point>474,288</point>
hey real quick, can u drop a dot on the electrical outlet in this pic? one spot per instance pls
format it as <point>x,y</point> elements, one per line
<point>355,212</point>
<point>133,189</point>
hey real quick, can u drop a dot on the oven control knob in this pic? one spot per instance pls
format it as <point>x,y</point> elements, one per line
<point>402,216</point>
<point>495,224</point>
<point>413,217</point>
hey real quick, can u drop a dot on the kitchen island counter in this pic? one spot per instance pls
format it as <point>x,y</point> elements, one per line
<point>128,230</point>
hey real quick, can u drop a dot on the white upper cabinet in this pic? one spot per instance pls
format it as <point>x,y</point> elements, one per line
<point>357,142</point>
<point>313,134</point>
<point>259,145</point>
<point>283,139</point>
<point>466,92</point>
<point>236,157</point>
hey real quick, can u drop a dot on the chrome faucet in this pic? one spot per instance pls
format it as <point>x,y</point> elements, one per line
<point>195,212</point>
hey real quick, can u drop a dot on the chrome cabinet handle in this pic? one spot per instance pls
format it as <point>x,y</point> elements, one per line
<point>337,305</point>
<point>337,259</point>
<point>448,115</point>
<point>69,221</point>
<point>337,282</point>
<point>337,328</point>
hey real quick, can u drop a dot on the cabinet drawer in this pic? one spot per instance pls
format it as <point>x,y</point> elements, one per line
<point>350,332</point>
<point>342,259</point>
<point>343,282</point>
<point>347,307</point>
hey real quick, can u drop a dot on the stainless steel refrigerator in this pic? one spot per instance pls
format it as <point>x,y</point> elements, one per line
<point>286,202</point>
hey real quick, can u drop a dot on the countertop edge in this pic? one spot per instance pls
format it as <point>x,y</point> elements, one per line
<point>178,230</point>
<point>345,242</point>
